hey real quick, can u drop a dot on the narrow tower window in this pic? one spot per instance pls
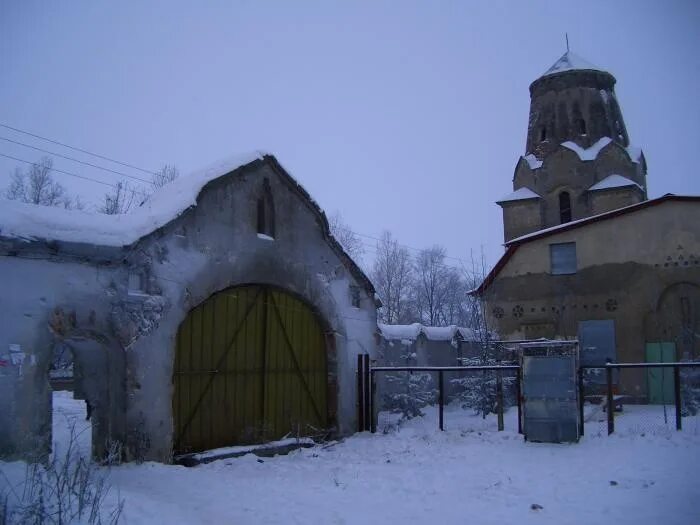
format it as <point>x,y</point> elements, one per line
<point>266,211</point>
<point>543,134</point>
<point>564,207</point>
<point>582,126</point>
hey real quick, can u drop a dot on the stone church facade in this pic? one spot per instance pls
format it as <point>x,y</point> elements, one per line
<point>220,312</point>
<point>587,255</point>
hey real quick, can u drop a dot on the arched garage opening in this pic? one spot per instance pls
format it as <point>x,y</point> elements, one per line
<point>251,366</point>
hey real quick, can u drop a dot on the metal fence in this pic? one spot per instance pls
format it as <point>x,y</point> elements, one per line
<point>636,398</point>
<point>639,398</point>
<point>408,391</point>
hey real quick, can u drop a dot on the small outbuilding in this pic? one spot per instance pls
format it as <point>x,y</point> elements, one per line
<point>220,312</point>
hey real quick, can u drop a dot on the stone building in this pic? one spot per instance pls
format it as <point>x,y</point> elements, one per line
<point>587,255</point>
<point>578,159</point>
<point>220,312</point>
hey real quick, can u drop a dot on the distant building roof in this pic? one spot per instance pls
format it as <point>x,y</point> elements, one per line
<point>571,62</point>
<point>410,332</point>
<point>613,181</point>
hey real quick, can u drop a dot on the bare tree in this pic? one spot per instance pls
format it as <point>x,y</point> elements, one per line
<point>165,175</point>
<point>455,308</point>
<point>36,186</point>
<point>347,238</point>
<point>431,283</point>
<point>392,275</point>
<point>119,200</point>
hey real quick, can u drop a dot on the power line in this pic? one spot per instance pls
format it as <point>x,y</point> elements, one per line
<point>78,149</point>
<point>76,160</point>
<point>69,173</point>
<point>137,178</point>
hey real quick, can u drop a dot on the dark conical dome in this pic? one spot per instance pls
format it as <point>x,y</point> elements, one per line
<point>573,100</point>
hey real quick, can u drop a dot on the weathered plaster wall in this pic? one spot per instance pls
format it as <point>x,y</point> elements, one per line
<point>33,290</point>
<point>625,266</point>
<point>209,248</point>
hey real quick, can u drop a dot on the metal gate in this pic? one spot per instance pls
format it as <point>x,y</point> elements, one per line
<point>250,367</point>
<point>549,390</point>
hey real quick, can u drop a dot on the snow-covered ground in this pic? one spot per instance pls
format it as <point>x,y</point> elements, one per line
<point>468,474</point>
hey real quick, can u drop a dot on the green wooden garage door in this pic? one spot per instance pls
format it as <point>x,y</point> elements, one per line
<point>250,367</point>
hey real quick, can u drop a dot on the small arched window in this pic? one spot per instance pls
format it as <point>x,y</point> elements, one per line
<point>266,211</point>
<point>543,134</point>
<point>564,207</point>
<point>582,127</point>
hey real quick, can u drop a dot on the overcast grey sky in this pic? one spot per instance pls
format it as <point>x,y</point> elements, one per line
<point>406,116</point>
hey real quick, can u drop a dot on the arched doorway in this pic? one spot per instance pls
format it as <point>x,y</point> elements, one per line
<point>250,367</point>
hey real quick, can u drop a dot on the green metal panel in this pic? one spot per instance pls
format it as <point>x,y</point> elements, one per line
<point>250,366</point>
<point>660,380</point>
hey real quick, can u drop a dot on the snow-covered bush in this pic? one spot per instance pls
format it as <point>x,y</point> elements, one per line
<point>408,393</point>
<point>478,390</point>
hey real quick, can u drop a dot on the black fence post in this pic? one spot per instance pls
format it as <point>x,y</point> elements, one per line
<point>360,396</point>
<point>611,407</point>
<point>441,399</point>
<point>368,409</point>
<point>519,398</point>
<point>677,395</point>
<point>373,410</point>
<point>581,399</point>
<point>499,399</point>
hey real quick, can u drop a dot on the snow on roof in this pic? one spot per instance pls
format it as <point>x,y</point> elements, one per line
<point>613,181</point>
<point>520,194</point>
<point>591,153</point>
<point>588,153</point>
<point>410,332</point>
<point>635,153</point>
<point>533,161</point>
<point>30,221</point>
<point>570,62</point>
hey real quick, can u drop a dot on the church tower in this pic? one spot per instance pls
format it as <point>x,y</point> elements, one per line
<point>578,159</point>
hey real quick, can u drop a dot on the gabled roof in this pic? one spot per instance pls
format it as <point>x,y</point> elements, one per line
<point>44,225</point>
<point>31,222</point>
<point>613,181</point>
<point>571,62</point>
<point>514,244</point>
